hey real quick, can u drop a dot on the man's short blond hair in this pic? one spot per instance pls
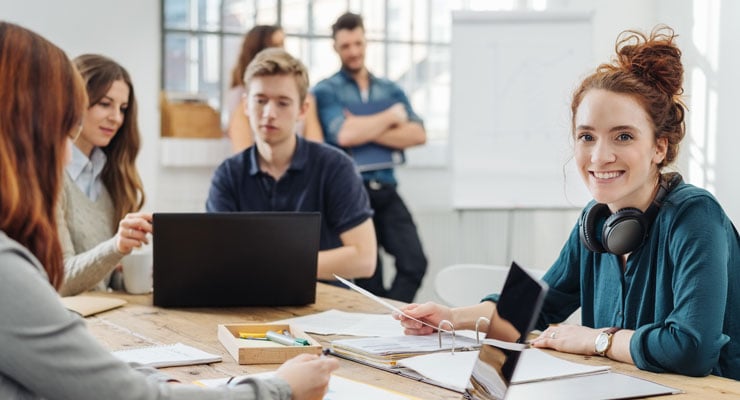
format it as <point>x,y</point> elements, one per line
<point>276,61</point>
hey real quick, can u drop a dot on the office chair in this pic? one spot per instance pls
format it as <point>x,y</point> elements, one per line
<point>466,284</point>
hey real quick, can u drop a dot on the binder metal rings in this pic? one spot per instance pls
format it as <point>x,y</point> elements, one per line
<point>477,323</point>
<point>440,330</point>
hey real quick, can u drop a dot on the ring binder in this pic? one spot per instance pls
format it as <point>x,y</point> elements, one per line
<point>477,323</point>
<point>439,334</point>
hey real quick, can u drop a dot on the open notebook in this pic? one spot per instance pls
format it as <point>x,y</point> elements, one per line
<point>171,355</point>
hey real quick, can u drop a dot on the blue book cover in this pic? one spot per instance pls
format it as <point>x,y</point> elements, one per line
<point>373,156</point>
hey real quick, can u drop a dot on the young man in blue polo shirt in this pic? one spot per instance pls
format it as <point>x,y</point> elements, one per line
<point>396,127</point>
<point>284,172</point>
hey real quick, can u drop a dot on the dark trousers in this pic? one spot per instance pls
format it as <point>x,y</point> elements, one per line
<point>397,235</point>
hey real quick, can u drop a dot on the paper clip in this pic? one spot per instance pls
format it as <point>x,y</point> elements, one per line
<point>477,323</point>
<point>440,330</point>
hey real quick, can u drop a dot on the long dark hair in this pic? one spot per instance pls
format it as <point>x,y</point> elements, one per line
<point>257,39</point>
<point>42,101</point>
<point>119,175</point>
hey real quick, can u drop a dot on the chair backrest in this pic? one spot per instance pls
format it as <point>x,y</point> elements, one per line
<point>466,284</point>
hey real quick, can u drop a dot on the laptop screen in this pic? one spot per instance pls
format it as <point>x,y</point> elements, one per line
<point>515,316</point>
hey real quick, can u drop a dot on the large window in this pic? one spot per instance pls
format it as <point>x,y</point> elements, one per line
<point>408,42</point>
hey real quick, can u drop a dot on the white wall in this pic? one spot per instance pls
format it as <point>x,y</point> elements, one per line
<point>728,85</point>
<point>129,32</point>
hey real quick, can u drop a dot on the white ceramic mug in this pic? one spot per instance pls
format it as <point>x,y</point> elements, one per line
<point>137,271</point>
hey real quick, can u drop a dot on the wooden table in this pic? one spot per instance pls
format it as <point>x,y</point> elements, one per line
<point>139,323</point>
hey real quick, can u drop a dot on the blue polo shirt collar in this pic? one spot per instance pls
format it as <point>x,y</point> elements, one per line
<point>297,163</point>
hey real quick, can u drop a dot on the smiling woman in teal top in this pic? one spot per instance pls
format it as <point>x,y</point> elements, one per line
<point>653,262</point>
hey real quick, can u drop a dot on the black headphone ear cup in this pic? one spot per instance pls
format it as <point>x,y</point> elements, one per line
<point>594,215</point>
<point>624,231</point>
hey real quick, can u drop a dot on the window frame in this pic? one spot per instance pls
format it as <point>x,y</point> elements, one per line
<point>434,153</point>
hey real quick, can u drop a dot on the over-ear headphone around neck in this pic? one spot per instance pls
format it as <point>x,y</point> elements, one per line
<point>625,230</point>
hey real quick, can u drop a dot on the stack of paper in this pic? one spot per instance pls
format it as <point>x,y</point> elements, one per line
<point>387,351</point>
<point>335,322</point>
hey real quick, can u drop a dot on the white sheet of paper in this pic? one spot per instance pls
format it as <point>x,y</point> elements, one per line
<point>452,370</point>
<point>335,322</point>
<point>605,385</point>
<point>536,365</point>
<point>383,302</point>
<point>339,388</point>
<point>506,345</point>
<point>347,389</point>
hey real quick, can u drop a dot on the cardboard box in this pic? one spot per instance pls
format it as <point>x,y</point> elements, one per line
<point>247,351</point>
<point>189,119</point>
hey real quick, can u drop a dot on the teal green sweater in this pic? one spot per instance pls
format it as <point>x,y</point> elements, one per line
<point>680,292</point>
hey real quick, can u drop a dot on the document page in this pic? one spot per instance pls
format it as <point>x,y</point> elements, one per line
<point>335,322</point>
<point>607,385</point>
<point>383,302</point>
<point>536,365</point>
<point>450,371</point>
<point>453,370</point>
<point>339,388</point>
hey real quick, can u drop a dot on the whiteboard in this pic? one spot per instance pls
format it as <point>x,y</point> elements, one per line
<point>512,78</point>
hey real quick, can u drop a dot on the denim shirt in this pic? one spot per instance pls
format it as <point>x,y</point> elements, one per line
<point>333,94</point>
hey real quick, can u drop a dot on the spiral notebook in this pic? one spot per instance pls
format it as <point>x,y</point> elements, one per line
<point>171,355</point>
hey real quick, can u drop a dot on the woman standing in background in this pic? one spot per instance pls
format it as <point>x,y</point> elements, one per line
<point>238,130</point>
<point>98,219</point>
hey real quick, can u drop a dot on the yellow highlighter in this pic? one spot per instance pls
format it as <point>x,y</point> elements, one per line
<point>253,335</point>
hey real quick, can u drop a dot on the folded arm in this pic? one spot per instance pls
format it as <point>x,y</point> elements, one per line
<point>402,136</point>
<point>360,129</point>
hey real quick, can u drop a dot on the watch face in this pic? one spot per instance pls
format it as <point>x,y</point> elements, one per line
<point>602,342</point>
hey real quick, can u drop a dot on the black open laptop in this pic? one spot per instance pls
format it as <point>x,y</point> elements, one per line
<point>235,258</point>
